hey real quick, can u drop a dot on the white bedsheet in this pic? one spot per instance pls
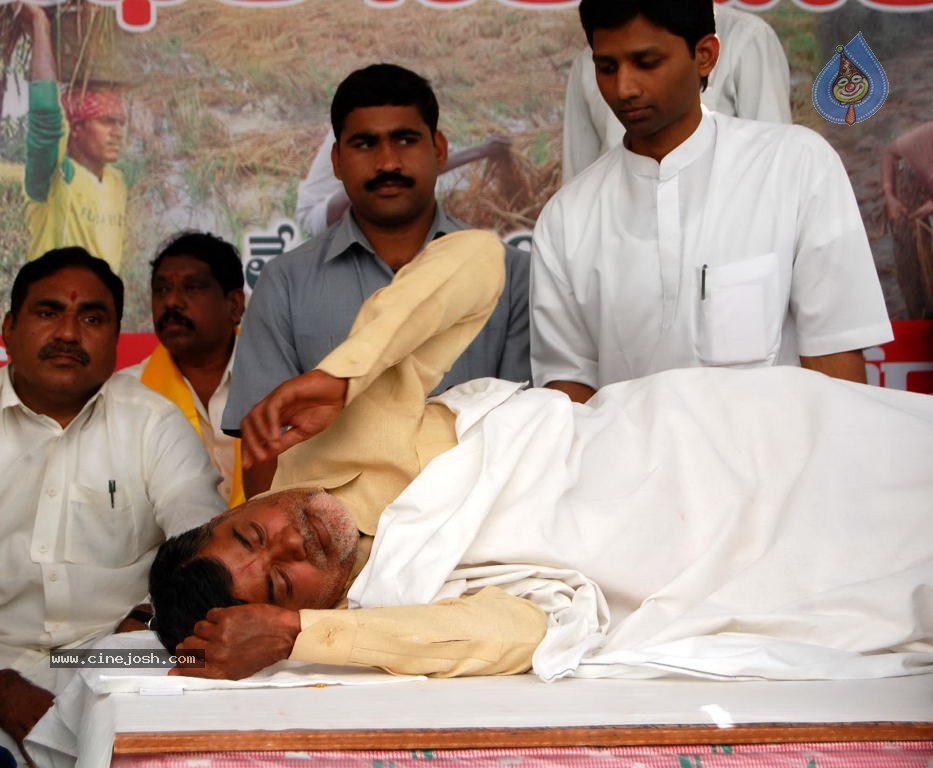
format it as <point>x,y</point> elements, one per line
<point>79,726</point>
<point>768,523</point>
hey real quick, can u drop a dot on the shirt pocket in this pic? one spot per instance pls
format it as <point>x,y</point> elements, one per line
<point>739,313</point>
<point>101,529</point>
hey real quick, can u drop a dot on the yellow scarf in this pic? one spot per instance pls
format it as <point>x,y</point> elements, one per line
<point>162,375</point>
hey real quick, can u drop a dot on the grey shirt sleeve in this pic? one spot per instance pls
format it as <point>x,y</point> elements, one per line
<point>266,351</point>
<point>515,363</point>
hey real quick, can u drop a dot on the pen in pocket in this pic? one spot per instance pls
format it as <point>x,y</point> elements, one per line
<point>112,487</point>
<point>703,283</point>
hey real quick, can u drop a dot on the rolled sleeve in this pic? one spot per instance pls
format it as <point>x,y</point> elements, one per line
<point>489,633</point>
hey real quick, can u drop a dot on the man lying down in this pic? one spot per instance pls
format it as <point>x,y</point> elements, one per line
<point>771,523</point>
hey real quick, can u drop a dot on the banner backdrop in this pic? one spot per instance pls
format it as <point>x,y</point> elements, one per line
<point>227,107</point>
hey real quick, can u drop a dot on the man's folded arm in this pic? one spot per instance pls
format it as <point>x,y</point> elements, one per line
<point>489,633</point>
<point>449,288</point>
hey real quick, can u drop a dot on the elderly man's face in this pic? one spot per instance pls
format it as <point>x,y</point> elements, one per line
<point>292,549</point>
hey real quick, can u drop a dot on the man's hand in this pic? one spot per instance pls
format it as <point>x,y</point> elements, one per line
<point>22,704</point>
<point>240,640</point>
<point>894,209</point>
<point>132,624</point>
<point>923,211</point>
<point>304,406</point>
<point>577,392</point>
<point>30,15</point>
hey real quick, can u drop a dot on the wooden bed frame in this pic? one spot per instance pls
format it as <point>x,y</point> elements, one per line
<point>126,744</point>
<point>522,712</point>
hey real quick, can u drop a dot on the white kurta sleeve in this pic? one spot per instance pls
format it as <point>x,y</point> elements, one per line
<point>316,191</point>
<point>562,348</point>
<point>762,78</point>
<point>181,480</point>
<point>836,296</point>
<point>582,143</point>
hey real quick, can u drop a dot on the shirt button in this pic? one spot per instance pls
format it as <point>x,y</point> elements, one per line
<point>53,577</point>
<point>43,548</point>
<point>52,492</point>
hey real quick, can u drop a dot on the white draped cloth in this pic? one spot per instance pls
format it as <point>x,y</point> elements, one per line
<point>770,523</point>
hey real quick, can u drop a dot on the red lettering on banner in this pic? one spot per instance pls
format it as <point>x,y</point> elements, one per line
<point>906,362</point>
<point>140,15</point>
<point>135,15</point>
<point>462,3</point>
<point>829,5</point>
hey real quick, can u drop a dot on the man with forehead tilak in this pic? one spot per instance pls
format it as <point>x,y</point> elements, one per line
<point>517,529</point>
<point>95,471</point>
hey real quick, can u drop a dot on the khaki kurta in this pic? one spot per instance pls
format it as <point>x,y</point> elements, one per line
<point>404,339</point>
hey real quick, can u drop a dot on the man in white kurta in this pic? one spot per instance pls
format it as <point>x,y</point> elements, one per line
<point>96,471</point>
<point>74,560</point>
<point>743,247</point>
<point>751,80</point>
<point>703,240</point>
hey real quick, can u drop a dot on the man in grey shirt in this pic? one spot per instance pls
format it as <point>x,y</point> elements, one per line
<point>388,155</point>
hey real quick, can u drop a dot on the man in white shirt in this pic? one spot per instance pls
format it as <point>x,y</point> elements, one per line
<point>750,80</point>
<point>96,471</point>
<point>197,304</point>
<point>703,239</point>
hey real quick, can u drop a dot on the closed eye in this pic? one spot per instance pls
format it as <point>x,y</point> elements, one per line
<point>285,582</point>
<point>246,543</point>
<point>260,534</point>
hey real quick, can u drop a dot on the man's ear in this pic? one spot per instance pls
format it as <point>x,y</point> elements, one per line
<point>335,159</point>
<point>236,299</point>
<point>706,54</point>
<point>440,149</point>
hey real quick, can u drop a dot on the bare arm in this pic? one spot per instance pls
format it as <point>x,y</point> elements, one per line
<point>579,393</point>
<point>37,25</point>
<point>841,365</point>
<point>137,622</point>
<point>22,704</point>
<point>893,207</point>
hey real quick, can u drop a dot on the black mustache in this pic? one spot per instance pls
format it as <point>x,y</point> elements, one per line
<point>389,177</point>
<point>173,315</point>
<point>60,348</point>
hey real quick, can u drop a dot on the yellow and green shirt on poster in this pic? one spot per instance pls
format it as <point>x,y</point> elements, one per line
<point>67,204</point>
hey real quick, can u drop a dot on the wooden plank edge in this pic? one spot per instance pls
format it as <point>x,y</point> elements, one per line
<point>514,738</point>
